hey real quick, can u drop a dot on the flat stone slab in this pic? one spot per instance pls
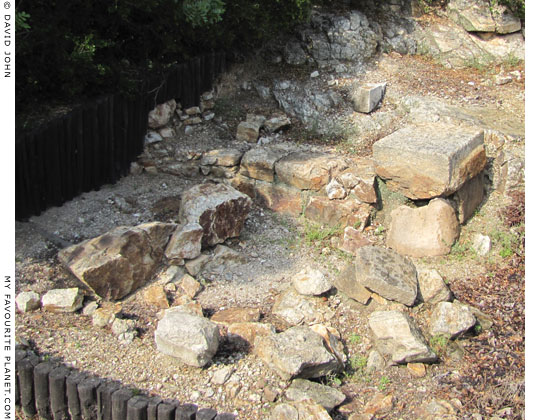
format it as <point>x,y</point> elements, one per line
<point>258,163</point>
<point>397,335</point>
<point>222,157</point>
<point>430,160</point>
<point>387,273</point>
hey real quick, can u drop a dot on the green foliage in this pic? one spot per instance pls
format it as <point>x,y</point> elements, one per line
<point>383,382</point>
<point>203,12</point>
<point>359,363</point>
<point>439,343</point>
<point>68,51</point>
<point>315,234</point>
<point>355,338</point>
<point>21,21</point>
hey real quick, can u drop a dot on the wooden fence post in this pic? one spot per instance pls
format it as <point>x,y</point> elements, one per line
<point>104,399</point>
<point>186,412</point>
<point>87,390</point>
<point>137,408</point>
<point>41,387</point>
<point>57,392</point>
<point>72,392</point>
<point>25,372</point>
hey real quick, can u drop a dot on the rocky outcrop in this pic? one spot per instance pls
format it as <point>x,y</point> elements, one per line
<point>432,288</point>
<point>120,261</point>
<point>185,243</point>
<point>189,338</point>
<point>425,231</point>
<point>397,336</point>
<point>161,114</point>
<point>298,352</point>
<point>482,16</point>
<point>387,273</point>
<point>306,409</point>
<point>219,209</point>
<point>429,161</point>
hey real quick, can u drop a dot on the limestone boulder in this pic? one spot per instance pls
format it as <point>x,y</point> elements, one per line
<point>397,336</point>
<point>303,389</point>
<point>27,301</point>
<point>311,282</point>
<point>481,244</point>
<point>218,208</point>
<point>185,243</point>
<point>307,170</point>
<point>387,273</point>
<point>451,318</point>
<point>120,261</point>
<point>62,300</point>
<point>431,160</point>
<point>297,352</point>
<point>329,212</point>
<point>192,339</point>
<point>425,231</point>
<point>161,114</point>
<point>346,283</point>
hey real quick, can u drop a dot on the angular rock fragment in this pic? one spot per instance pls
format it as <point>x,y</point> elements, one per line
<point>346,283</point>
<point>259,162</point>
<point>185,243</point>
<point>349,212</point>
<point>245,333</point>
<point>297,352</point>
<point>300,410</point>
<point>451,318</point>
<point>396,335</point>
<point>387,273</point>
<point>62,300</point>
<point>219,209</point>
<point>236,315</point>
<point>222,157</point>
<point>296,309</point>
<point>161,114</point>
<point>311,282</point>
<point>302,389</point>
<point>432,288</point>
<point>192,339</point>
<point>120,261</point>
<point>368,96</point>
<point>27,301</point>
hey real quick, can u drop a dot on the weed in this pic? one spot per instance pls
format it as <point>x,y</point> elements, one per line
<point>380,230</point>
<point>315,234</point>
<point>355,338</point>
<point>477,329</point>
<point>135,391</point>
<point>46,357</point>
<point>383,382</point>
<point>512,61</point>
<point>359,363</point>
<point>460,250</point>
<point>439,343</point>
<point>507,242</point>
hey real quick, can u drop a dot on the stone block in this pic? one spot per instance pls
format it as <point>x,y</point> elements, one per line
<point>367,97</point>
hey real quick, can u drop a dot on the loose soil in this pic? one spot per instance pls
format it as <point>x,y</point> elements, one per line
<point>482,373</point>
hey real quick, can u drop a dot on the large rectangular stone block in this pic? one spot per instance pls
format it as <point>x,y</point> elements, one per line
<point>431,160</point>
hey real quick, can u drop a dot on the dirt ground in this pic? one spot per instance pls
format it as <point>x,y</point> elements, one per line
<point>483,373</point>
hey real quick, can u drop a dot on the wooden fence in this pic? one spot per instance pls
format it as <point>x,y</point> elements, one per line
<point>95,144</point>
<point>55,392</point>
